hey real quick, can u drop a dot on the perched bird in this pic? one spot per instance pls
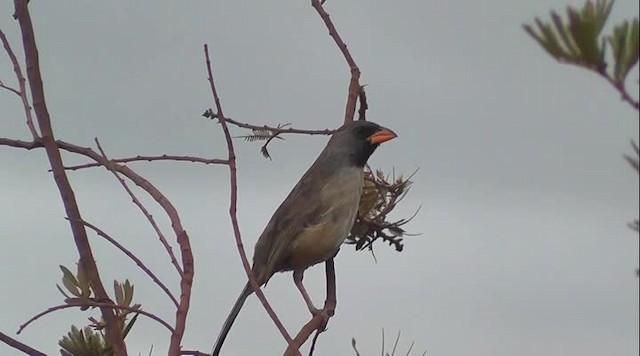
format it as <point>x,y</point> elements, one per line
<point>316,217</point>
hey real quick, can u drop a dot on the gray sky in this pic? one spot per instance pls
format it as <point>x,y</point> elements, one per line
<point>525,196</point>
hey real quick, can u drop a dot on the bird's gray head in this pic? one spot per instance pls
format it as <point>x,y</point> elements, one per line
<point>356,141</point>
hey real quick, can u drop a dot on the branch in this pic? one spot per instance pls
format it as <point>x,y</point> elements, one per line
<point>20,346</point>
<point>113,329</point>
<point>354,83</point>
<point>94,304</point>
<point>234,198</point>
<point>13,90</point>
<point>135,259</point>
<point>22,92</point>
<point>182,237</point>
<point>186,279</point>
<point>624,94</point>
<point>279,130</point>
<point>151,159</point>
<point>268,133</point>
<point>319,322</point>
<point>136,201</point>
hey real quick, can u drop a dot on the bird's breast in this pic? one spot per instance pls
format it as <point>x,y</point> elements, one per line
<point>339,196</point>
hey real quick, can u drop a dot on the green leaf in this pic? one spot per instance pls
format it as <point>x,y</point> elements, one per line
<point>119,293</point>
<point>84,282</point>
<point>570,48</point>
<point>83,342</point>
<point>583,28</point>
<point>128,293</point>
<point>625,45</point>
<point>69,281</point>
<point>577,39</point>
<point>129,325</point>
<point>546,38</point>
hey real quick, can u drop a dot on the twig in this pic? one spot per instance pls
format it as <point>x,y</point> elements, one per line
<point>20,346</point>
<point>151,159</point>
<point>410,348</point>
<point>95,304</point>
<point>186,274</point>
<point>234,199</point>
<point>87,262</point>
<point>395,345</point>
<point>268,133</point>
<point>135,259</point>
<point>22,92</point>
<point>138,203</point>
<point>182,237</point>
<point>354,83</point>
<point>619,86</point>
<point>319,322</point>
<point>279,130</point>
<point>364,106</point>
<point>13,90</point>
<point>314,340</point>
<point>353,345</point>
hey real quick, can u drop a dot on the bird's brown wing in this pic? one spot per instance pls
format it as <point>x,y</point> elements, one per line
<point>302,208</point>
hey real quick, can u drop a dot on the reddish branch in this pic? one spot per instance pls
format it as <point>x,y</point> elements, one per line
<point>181,236</point>
<point>279,130</point>
<point>152,159</point>
<point>136,201</point>
<point>22,92</point>
<point>135,259</point>
<point>20,346</point>
<point>354,83</point>
<point>319,322</point>
<point>109,306</point>
<point>113,330</point>
<point>624,94</point>
<point>234,199</point>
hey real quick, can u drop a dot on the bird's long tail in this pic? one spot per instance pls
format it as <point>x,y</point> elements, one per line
<point>231,318</point>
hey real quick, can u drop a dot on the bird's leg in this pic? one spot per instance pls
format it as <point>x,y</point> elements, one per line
<point>297,279</point>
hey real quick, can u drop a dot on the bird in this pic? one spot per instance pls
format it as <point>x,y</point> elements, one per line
<point>315,218</point>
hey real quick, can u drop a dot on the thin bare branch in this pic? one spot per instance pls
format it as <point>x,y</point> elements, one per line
<point>354,83</point>
<point>87,262</point>
<point>186,275</point>
<point>22,92</point>
<point>364,106</point>
<point>135,259</point>
<point>395,345</point>
<point>13,90</point>
<point>138,203</point>
<point>353,345</point>
<point>234,198</point>
<point>319,322</point>
<point>98,305</point>
<point>279,130</point>
<point>20,346</point>
<point>152,159</point>
<point>622,90</point>
<point>182,237</point>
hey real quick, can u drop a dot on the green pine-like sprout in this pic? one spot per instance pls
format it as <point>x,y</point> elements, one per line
<point>84,342</point>
<point>577,39</point>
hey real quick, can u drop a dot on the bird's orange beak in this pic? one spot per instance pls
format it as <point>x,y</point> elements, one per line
<point>381,136</point>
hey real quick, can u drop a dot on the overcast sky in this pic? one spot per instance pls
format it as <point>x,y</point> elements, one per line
<point>525,197</point>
